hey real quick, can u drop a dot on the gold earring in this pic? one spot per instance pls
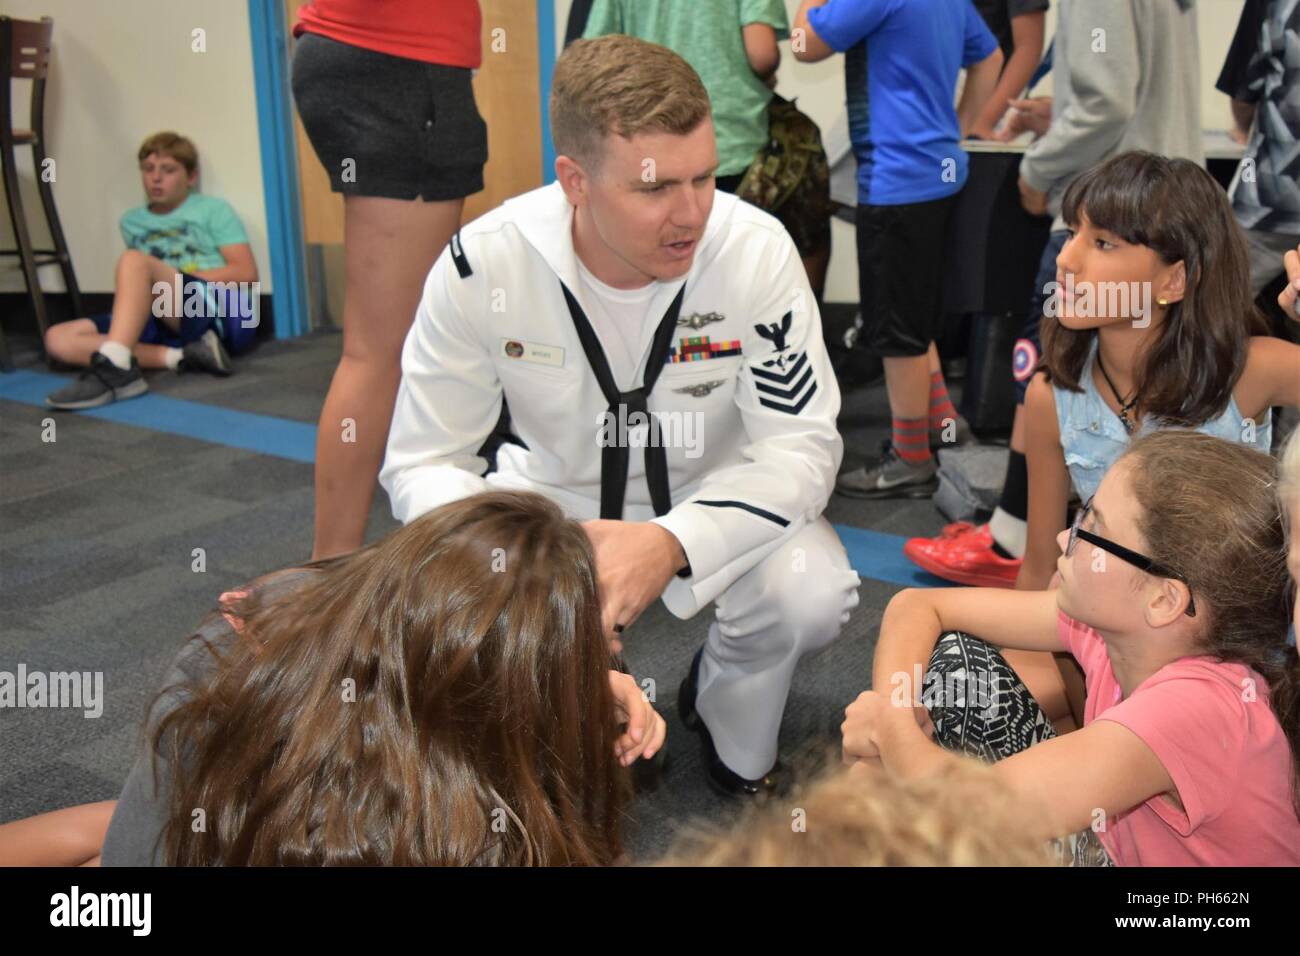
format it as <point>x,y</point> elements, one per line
<point>1163,301</point>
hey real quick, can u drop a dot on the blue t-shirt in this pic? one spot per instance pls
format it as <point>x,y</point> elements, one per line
<point>900,76</point>
<point>190,237</point>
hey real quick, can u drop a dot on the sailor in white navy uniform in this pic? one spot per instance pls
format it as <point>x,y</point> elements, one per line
<point>610,298</point>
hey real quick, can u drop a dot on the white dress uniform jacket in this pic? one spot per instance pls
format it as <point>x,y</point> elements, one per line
<point>747,377</point>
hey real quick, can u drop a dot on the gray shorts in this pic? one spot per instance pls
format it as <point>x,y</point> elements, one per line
<point>388,126</point>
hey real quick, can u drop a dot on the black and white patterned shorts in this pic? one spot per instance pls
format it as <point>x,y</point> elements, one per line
<point>986,711</point>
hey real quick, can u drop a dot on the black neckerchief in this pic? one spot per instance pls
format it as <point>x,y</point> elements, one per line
<point>614,455</point>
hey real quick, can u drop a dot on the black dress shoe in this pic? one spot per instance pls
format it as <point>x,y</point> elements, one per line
<point>722,778</point>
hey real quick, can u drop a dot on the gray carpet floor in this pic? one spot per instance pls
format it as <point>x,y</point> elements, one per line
<point>96,536</point>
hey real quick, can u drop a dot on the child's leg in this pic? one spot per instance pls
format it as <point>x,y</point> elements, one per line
<point>984,709</point>
<point>979,704</point>
<point>69,837</point>
<point>390,245</point>
<point>1039,672</point>
<point>76,341</point>
<point>133,294</point>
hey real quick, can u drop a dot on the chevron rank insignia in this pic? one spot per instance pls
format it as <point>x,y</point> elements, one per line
<point>700,389</point>
<point>787,383</point>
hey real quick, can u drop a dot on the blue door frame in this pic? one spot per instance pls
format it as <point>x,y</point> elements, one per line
<point>546,66</point>
<point>279,168</point>
<point>280,153</point>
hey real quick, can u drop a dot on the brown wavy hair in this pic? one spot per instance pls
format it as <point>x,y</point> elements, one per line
<point>1174,207</point>
<point>1210,511</point>
<point>439,698</point>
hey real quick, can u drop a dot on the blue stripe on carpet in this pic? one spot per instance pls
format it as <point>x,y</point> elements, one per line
<point>264,434</point>
<point>873,554</point>
<point>879,556</point>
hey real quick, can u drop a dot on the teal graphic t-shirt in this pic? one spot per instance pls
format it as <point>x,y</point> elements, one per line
<point>188,238</point>
<point>708,36</point>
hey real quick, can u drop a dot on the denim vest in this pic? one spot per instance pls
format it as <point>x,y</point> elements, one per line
<point>1092,436</point>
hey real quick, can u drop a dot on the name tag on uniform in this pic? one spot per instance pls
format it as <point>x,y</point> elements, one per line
<point>532,352</point>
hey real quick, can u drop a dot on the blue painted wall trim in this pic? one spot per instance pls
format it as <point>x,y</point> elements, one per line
<point>279,167</point>
<point>546,66</point>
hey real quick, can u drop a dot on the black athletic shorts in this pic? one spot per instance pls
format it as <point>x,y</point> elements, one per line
<point>901,274</point>
<point>387,126</point>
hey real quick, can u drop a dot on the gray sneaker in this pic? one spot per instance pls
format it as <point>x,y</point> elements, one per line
<point>961,434</point>
<point>207,354</point>
<point>890,477</point>
<point>101,383</point>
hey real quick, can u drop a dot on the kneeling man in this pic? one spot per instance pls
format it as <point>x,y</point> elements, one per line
<point>661,356</point>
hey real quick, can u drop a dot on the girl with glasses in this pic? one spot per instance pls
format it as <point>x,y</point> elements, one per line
<point>1172,595</point>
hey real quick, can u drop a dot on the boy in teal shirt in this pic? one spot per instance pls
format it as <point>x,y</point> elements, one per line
<point>187,262</point>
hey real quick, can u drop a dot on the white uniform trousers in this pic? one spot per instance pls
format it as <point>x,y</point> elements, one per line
<point>793,602</point>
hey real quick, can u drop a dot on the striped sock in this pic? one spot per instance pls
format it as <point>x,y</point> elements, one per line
<point>941,407</point>
<point>912,440</point>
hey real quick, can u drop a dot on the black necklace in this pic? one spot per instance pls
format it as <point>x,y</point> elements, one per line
<point>1125,408</point>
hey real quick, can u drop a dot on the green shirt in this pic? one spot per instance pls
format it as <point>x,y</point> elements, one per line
<point>190,237</point>
<point>706,33</point>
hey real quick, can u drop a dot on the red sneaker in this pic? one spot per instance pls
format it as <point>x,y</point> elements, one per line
<point>967,559</point>
<point>957,529</point>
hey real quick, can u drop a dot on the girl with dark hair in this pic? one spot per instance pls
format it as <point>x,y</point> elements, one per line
<point>442,697</point>
<point>1174,598</point>
<point>1185,347</point>
<point>1151,326</point>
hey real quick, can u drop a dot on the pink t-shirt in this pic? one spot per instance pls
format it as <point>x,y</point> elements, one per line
<point>1227,755</point>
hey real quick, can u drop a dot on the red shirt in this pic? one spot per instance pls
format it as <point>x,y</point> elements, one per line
<point>434,31</point>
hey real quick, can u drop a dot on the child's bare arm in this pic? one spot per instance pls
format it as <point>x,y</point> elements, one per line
<point>1049,486</point>
<point>915,618</point>
<point>239,267</point>
<point>68,837</point>
<point>1271,377</point>
<point>1099,771</point>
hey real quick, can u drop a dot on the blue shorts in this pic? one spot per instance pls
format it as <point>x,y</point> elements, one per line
<point>192,327</point>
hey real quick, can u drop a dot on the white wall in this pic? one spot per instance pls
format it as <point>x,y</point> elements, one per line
<point>819,88</point>
<point>120,70</point>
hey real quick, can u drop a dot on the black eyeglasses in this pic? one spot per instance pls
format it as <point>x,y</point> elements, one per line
<point>1139,561</point>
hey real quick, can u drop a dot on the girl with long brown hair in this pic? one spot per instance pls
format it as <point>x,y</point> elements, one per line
<point>442,697</point>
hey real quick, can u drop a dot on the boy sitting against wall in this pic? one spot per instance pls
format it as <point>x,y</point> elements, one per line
<point>189,244</point>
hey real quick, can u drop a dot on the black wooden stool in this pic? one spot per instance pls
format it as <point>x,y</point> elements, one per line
<point>25,54</point>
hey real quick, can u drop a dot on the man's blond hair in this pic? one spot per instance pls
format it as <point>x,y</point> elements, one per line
<point>964,815</point>
<point>619,84</point>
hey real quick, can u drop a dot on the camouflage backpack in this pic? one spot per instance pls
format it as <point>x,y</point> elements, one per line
<point>791,168</point>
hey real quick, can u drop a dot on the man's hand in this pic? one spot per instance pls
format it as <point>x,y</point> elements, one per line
<point>635,560</point>
<point>1289,297</point>
<point>646,730</point>
<point>1033,114</point>
<point>1034,202</point>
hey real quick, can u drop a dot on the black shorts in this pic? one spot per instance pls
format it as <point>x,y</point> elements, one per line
<point>387,126</point>
<point>900,274</point>
<point>1028,353</point>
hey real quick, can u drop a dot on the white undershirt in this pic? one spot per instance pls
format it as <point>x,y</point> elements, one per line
<point>618,317</point>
